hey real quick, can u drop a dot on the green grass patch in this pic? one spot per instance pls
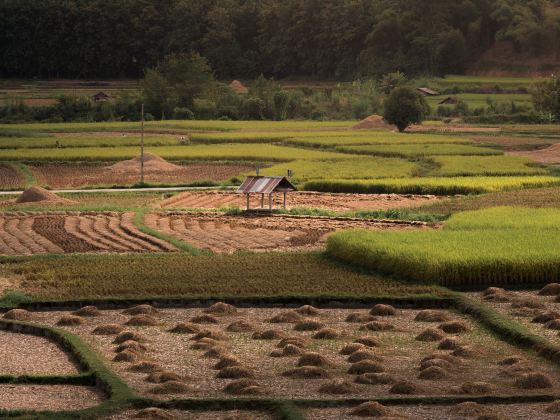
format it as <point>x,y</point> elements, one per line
<point>498,246</point>
<point>484,166</point>
<point>423,149</point>
<point>85,141</point>
<point>436,186</point>
<point>180,275</point>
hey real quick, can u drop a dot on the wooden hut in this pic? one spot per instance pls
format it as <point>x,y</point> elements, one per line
<point>266,185</point>
<point>428,92</point>
<point>450,100</point>
<point>100,97</point>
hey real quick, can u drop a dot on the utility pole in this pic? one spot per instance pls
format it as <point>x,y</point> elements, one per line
<point>142,149</point>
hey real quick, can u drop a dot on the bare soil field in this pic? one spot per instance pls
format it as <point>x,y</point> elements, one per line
<point>10,178</point>
<point>330,201</point>
<point>513,143</point>
<point>157,413</point>
<point>539,313</point>
<point>48,397</point>
<point>226,234</point>
<point>24,354</point>
<point>307,353</point>
<point>74,176</point>
<point>547,155</point>
<point>61,232</point>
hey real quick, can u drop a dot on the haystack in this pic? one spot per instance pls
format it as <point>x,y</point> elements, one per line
<point>41,195</point>
<point>375,379</point>
<point>337,387</point>
<point>69,320</point>
<point>357,317</point>
<point>326,334</point>
<point>364,354</point>
<point>154,413</point>
<point>18,315</point>
<point>159,377</point>
<point>267,335</point>
<point>235,372</point>
<point>306,372</point>
<point>372,122</point>
<point>152,163</point>
<point>308,325</point>
<point>365,366</point>
<point>238,87</point>
<point>128,335</point>
<point>372,409</point>
<point>204,319</point>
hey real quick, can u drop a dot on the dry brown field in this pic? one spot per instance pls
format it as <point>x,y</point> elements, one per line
<point>10,178</point>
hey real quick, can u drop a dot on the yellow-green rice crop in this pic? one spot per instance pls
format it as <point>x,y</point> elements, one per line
<point>86,141</point>
<point>484,165</point>
<point>423,149</point>
<point>521,247</point>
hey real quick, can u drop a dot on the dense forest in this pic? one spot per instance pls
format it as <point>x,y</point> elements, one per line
<point>278,38</point>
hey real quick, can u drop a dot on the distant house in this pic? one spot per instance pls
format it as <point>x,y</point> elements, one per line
<point>238,87</point>
<point>449,101</point>
<point>100,97</point>
<point>428,92</point>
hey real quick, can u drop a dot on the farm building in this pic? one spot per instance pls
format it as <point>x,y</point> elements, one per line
<point>100,97</point>
<point>428,92</point>
<point>266,185</point>
<point>449,101</point>
<point>238,87</point>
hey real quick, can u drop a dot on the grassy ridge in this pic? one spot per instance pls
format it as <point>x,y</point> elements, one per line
<point>484,165</point>
<point>486,247</point>
<point>423,149</point>
<point>436,186</point>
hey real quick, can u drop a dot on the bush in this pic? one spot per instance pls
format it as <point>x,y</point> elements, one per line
<point>183,114</point>
<point>405,106</point>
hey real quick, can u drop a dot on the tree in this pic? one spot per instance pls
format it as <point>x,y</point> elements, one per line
<point>391,81</point>
<point>546,97</point>
<point>405,106</point>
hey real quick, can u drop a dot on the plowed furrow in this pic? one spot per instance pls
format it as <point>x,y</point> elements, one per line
<point>127,224</point>
<point>82,227</point>
<point>37,243</point>
<point>112,228</point>
<point>52,228</point>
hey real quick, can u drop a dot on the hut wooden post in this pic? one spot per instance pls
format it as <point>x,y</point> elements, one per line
<point>285,199</point>
<point>247,201</point>
<point>270,201</point>
<point>262,201</point>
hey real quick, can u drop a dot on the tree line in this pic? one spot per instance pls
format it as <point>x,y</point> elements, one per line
<point>342,39</point>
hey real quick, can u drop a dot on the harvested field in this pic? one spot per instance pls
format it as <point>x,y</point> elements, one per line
<point>223,233</point>
<point>73,176</point>
<point>10,178</point>
<point>60,232</point>
<point>444,412</point>
<point>339,202</point>
<point>24,354</point>
<point>547,155</point>
<point>48,397</point>
<point>394,356</point>
<point>190,415</point>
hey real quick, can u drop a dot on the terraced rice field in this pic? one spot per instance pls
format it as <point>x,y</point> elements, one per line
<point>60,232</point>
<point>328,201</point>
<point>308,353</point>
<point>10,178</point>
<point>226,234</point>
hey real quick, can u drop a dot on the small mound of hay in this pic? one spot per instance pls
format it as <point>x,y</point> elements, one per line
<point>307,372</point>
<point>378,326</point>
<point>141,310</point>
<point>430,334</point>
<point>312,359</point>
<point>514,371</point>
<point>365,366</point>
<point>142,321</point>
<point>287,351</point>
<point>511,360</point>
<point>87,311</point>
<point>493,291</point>
<point>308,325</point>
<point>450,343</point>
<point>464,352</point>
<point>372,122</point>
<point>243,386</point>
<point>476,388</point>
<point>337,387</point>
<point>444,364</point>
<point>551,289</point>
<point>468,409</point>
<point>235,372</point>
<point>351,348</point>
<point>286,317</point>
<point>295,341</point>
<point>216,352</point>
<point>546,316</point>
<point>364,354</point>
<point>240,326</point>
<point>375,379</point>
<point>528,303</point>
<point>369,341</point>
<point>308,310</point>
<point>431,315</point>
<point>383,310</point>
<point>326,334</point>
<point>152,163</point>
<point>404,387</point>
<point>267,335</point>
<point>39,194</point>
<point>108,329</point>
<point>171,387</point>
<point>205,344</point>
<point>145,367</point>
<point>204,319</point>
<point>154,413</point>
<point>433,373</point>
<point>497,298</point>
<point>185,328</point>
<point>535,380</point>
<point>128,335</point>
<point>444,356</point>
<point>159,377</point>
<point>372,409</point>
<point>126,356</point>
<point>209,333</point>
<point>69,320</point>
<point>454,327</point>
<point>226,361</point>
<point>553,324</point>
<point>18,315</point>
<point>131,345</point>
<point>221,308</point>
<point>238,87</point>
<point>357,317</point>
<point>553,407</point>
<point>526,312</point>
